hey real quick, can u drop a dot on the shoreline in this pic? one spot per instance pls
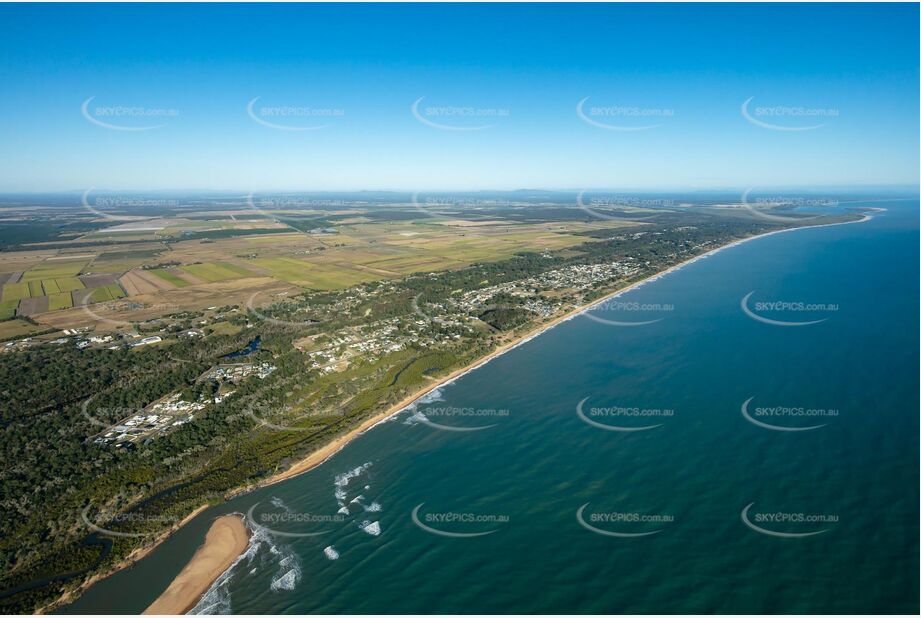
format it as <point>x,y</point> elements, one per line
<point>129,560</point>
<point>326,452</point>
<point>224,543</point>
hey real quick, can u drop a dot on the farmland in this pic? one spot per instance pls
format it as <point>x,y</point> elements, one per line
<point>199,258</point>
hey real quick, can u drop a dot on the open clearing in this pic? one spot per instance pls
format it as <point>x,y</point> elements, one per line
<point>11,329</point>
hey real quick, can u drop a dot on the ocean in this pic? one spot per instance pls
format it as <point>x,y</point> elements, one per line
<point>737,436</point>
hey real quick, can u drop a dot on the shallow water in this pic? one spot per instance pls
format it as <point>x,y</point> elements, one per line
<point>519,483</point>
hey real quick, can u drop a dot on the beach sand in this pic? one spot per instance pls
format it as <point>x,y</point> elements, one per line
<point>319,456</point>
<point>226,540</point>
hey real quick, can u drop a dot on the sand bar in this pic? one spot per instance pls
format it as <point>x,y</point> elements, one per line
<point>226,540</point>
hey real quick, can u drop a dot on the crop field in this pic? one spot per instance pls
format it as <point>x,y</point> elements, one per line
<point>62,300</point>
<point>217,271</point>
<point>8,309</point>
<point>69,284</point>
<point>203,262</point>
<point>169,277</point>
<point>325,276</point>
<point>51,269</point>
<point>15,291</point>
<point>106,293</point>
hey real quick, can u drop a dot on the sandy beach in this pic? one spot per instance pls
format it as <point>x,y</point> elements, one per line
<point>322,454</point>
<point>226,540</point>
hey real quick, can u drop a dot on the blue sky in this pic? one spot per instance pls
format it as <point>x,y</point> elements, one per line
<point>501,86</point>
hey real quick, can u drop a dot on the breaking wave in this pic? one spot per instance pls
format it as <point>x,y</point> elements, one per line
<point>262,551</point>
<point>372,528</point>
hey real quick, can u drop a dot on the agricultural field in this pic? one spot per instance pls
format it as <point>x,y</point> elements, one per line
<point>8,309</point>
<point>15,291</point>
<point>56,268</point>
<point>62,300</point>
<point>207,257</point>
<point>12,329</point>
<point>218,271</point>
<point>169,277</point>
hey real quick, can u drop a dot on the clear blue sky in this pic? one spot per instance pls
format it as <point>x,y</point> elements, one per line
<point>358,69</point>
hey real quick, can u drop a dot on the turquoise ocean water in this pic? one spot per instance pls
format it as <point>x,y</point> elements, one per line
<point>552,512</point>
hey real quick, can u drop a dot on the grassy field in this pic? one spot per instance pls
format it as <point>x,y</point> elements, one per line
<point>69,284</point>
<point>11,329</point>
<point>169,277</point>
<point>106,293</point>
<point>225,328</point>
<point>216,271</point>
<point>211,270</point>
<point>326,276</point>
<point>62,300</point>
<point>55,269</point>
<point>15,291</point>
<point>8,309</point>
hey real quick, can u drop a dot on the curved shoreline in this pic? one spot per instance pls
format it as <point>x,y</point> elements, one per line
<point>226,540</point>
<point>326,452</point>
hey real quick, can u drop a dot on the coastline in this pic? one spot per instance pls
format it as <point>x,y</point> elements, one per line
<point>130,559</point>
<point>324,453</point>
<point>321,455</point>
<point>226,540</point>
